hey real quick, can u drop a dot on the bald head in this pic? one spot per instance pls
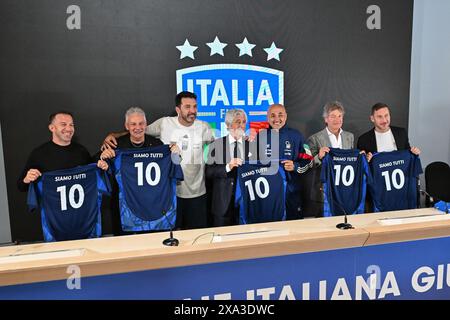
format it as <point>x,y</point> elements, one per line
<point>277,116</point>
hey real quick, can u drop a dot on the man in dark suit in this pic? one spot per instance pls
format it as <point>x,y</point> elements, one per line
<point>224,156</point>
<point>384,137</point>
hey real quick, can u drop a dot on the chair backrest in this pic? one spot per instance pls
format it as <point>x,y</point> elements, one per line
<point>437,180</point>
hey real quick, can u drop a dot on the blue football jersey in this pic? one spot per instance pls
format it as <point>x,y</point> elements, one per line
<point>147,188</point>
<point>70,202</point>
<point>394,184</point>
<point>260,193</point>
<point>344,176</point>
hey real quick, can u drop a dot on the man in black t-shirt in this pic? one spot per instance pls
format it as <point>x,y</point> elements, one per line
<point>135,137</point>
<point>58,153</point>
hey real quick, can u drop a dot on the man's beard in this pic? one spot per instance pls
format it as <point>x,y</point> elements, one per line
<point>188,118</point>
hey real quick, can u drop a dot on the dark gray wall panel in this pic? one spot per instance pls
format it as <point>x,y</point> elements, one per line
<point>125,54</point>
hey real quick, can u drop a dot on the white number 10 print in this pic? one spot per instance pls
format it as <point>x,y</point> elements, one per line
<point>148,173</point>
<point>63,197</point>
<point>260,181</point>
<point>348,175</point>
<point>397,178</point>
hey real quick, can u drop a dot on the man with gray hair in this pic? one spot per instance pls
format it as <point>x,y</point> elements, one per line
<point>224,156</point>
<point>190,136</point>
<point>331,136</point>
<point>135,123</point>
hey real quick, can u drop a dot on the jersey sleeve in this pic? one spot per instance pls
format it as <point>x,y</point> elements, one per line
<point>417,166</point>
<point>366,169</point>
<point>314,148</point>
<point>304,160</point>
<point>103,183</point>
<point>176,172</point>
<point>287,175</point>
<point>323,171</point>
<point>239,202</point>
<point>32,198</point>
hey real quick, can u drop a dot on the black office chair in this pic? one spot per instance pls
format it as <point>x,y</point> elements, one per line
<point>437,183</point>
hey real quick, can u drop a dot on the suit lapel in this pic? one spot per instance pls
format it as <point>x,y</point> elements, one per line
<point>226,149</point>
<point>373,140</point>
<point>325,138</point>
<point>246,150</point>
<point>397,139</point>
<point>346,141</point>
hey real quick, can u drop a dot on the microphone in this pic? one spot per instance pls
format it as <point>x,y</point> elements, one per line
<point>440,204</point>
<point>428,195</point>
<point>345,225</point>
<point>171,241</point>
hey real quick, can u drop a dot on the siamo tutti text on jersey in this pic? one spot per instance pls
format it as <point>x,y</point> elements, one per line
<point>425,280</point>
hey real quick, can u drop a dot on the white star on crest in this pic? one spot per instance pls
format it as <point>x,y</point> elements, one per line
<point>216,46</point>
<point>186,50</point>
<point>245,47</point>
<point>273,52</point>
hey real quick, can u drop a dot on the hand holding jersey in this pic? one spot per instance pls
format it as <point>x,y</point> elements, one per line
<point>70,202</point>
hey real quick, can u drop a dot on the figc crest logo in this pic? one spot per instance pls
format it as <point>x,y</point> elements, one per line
<point>220,87</point>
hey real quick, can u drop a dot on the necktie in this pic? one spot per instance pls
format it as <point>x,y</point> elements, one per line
<point>237,151</point>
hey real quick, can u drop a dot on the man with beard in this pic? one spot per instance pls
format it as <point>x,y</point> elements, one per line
<point>190,135</point>
<point>384,137</point>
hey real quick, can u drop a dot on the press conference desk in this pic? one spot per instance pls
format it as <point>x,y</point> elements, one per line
<point>230,262</point>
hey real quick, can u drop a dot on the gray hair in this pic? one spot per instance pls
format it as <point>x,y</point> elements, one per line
<point>134,110</point>
<point>331,106</point>
<point>233,113</point>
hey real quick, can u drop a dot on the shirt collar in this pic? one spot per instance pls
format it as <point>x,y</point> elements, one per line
<point>331,134</point>
<point>233,140</point>
<point>381,133</point>
<point>283,128</point>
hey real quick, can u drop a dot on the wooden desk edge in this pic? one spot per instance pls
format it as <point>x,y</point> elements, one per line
<point>135,261</point>
<point>140,260</point>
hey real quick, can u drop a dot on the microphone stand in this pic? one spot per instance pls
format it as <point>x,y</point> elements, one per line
<point>430,197</point>
<point>171,241</point>
<point>344,225</point>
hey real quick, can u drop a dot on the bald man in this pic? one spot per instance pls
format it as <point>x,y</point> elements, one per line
<point>293,153</point>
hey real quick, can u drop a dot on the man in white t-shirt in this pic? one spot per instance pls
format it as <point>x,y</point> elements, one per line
<point>384,137</point>
<point>190,135</point>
